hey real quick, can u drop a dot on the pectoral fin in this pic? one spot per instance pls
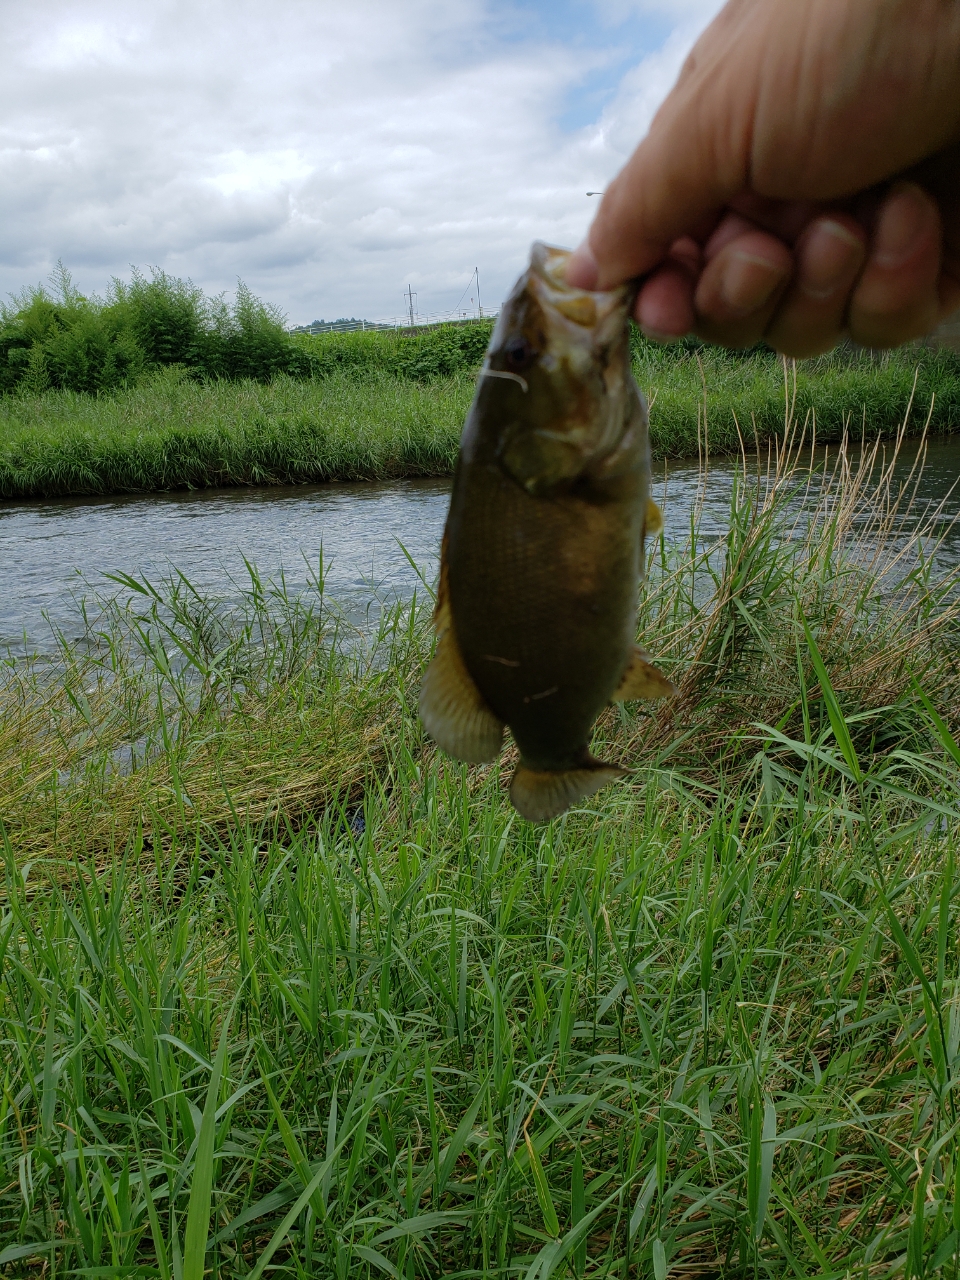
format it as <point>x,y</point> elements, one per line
<point>642,680</point>
<point>453,710</point>
<point>539,795</point>
<point>540,461</point>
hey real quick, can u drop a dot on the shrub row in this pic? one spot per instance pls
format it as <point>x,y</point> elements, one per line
<point>56,338</point>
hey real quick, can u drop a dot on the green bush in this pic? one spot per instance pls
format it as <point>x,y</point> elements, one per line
<point>420,356</point>
<point>170,319</point>
<point>66,341</point>
<point>62,340</point>
<point>56,338</point>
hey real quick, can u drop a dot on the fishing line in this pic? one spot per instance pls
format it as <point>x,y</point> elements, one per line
<point>504,373</point>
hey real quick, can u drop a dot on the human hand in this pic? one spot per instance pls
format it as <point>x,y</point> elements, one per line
<point>801,181</point>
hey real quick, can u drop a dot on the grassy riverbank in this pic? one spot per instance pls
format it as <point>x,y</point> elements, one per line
<point>742,396</point>
<point>285,989</point>
<point>373,410</point>
<point>172,433</point>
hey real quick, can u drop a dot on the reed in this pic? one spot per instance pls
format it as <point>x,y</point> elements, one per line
<point>286,992</point>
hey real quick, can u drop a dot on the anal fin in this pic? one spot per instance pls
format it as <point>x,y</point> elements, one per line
<point>642,681</point>
<point>453,710</point>
<point>539,794</point>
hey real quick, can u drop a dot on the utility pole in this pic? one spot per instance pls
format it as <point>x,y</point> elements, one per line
<point>410,296</point>
<point>476,271</point>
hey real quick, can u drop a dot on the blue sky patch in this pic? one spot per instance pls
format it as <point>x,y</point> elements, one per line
<point>581,24</point>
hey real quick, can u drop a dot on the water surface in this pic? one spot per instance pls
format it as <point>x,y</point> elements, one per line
<point>54,552</point>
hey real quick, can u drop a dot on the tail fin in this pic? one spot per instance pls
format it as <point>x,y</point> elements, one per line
<point>539,795</point>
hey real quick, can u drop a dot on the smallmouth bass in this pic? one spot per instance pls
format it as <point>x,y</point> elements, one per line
<point>543,545</point>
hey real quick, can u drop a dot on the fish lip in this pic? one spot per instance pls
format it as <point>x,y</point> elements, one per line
<point>547,273</point>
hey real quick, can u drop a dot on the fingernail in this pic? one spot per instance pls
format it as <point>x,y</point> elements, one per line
<point>904,218</point>
<point>748,282</point>
<point>582,271</point>
<point>830,253</point>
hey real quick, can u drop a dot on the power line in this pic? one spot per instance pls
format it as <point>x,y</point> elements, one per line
<point>474,276</point>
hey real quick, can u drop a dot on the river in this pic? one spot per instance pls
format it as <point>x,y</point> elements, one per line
<point>53,553</point>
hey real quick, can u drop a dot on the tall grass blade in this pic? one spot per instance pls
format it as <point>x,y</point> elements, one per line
<point>201,1186</point>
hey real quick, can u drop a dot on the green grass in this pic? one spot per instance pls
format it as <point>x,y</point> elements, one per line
<point>742,396</point>
<point>706,1026</point>
<point>172,433</point>
<point>368,415</point>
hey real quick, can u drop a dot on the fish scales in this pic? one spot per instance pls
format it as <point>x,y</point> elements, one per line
<point>543,545</point>
<point>512,617</point>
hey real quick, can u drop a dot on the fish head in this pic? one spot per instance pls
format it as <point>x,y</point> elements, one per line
<point>556,380</point>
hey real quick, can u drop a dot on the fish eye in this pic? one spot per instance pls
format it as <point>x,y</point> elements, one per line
<point>519,353</point>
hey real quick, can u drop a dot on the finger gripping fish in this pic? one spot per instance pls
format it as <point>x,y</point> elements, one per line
<point>543,545</point>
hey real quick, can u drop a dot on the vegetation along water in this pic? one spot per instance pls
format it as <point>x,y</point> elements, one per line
<point>286,992</point>
<point>156,386</point>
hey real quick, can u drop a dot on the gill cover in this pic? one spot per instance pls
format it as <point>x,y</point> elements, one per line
<point>565,351</point>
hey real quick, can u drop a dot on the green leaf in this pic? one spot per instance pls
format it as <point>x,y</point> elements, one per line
<point>48,1095</point>
<point>459,1139</point>
<point>303,1200</point>
<point>375,1259</point>
<point>550,1219</point>
<point>552,1254</point>
<point>14,1252</point>
<point>946,1251</point>
<point>659,1260</point>
<point>768,1145</point>
<point>423,1222</point>
<point>838,721</point>
<point>947,740</point>
<point>201,1187</point>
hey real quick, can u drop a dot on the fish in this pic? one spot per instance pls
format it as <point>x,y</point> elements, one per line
<point>543,546</point>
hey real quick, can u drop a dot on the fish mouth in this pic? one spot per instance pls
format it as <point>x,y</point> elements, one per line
<point>599,310</point>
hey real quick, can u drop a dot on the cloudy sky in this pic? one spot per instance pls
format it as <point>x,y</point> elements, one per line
<point>329,154</point>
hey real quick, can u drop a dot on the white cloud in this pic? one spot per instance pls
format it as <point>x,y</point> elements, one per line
<point>328,154</point>
<point>644,87</point>
<point>260,172</point>
<point>696,11</point>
